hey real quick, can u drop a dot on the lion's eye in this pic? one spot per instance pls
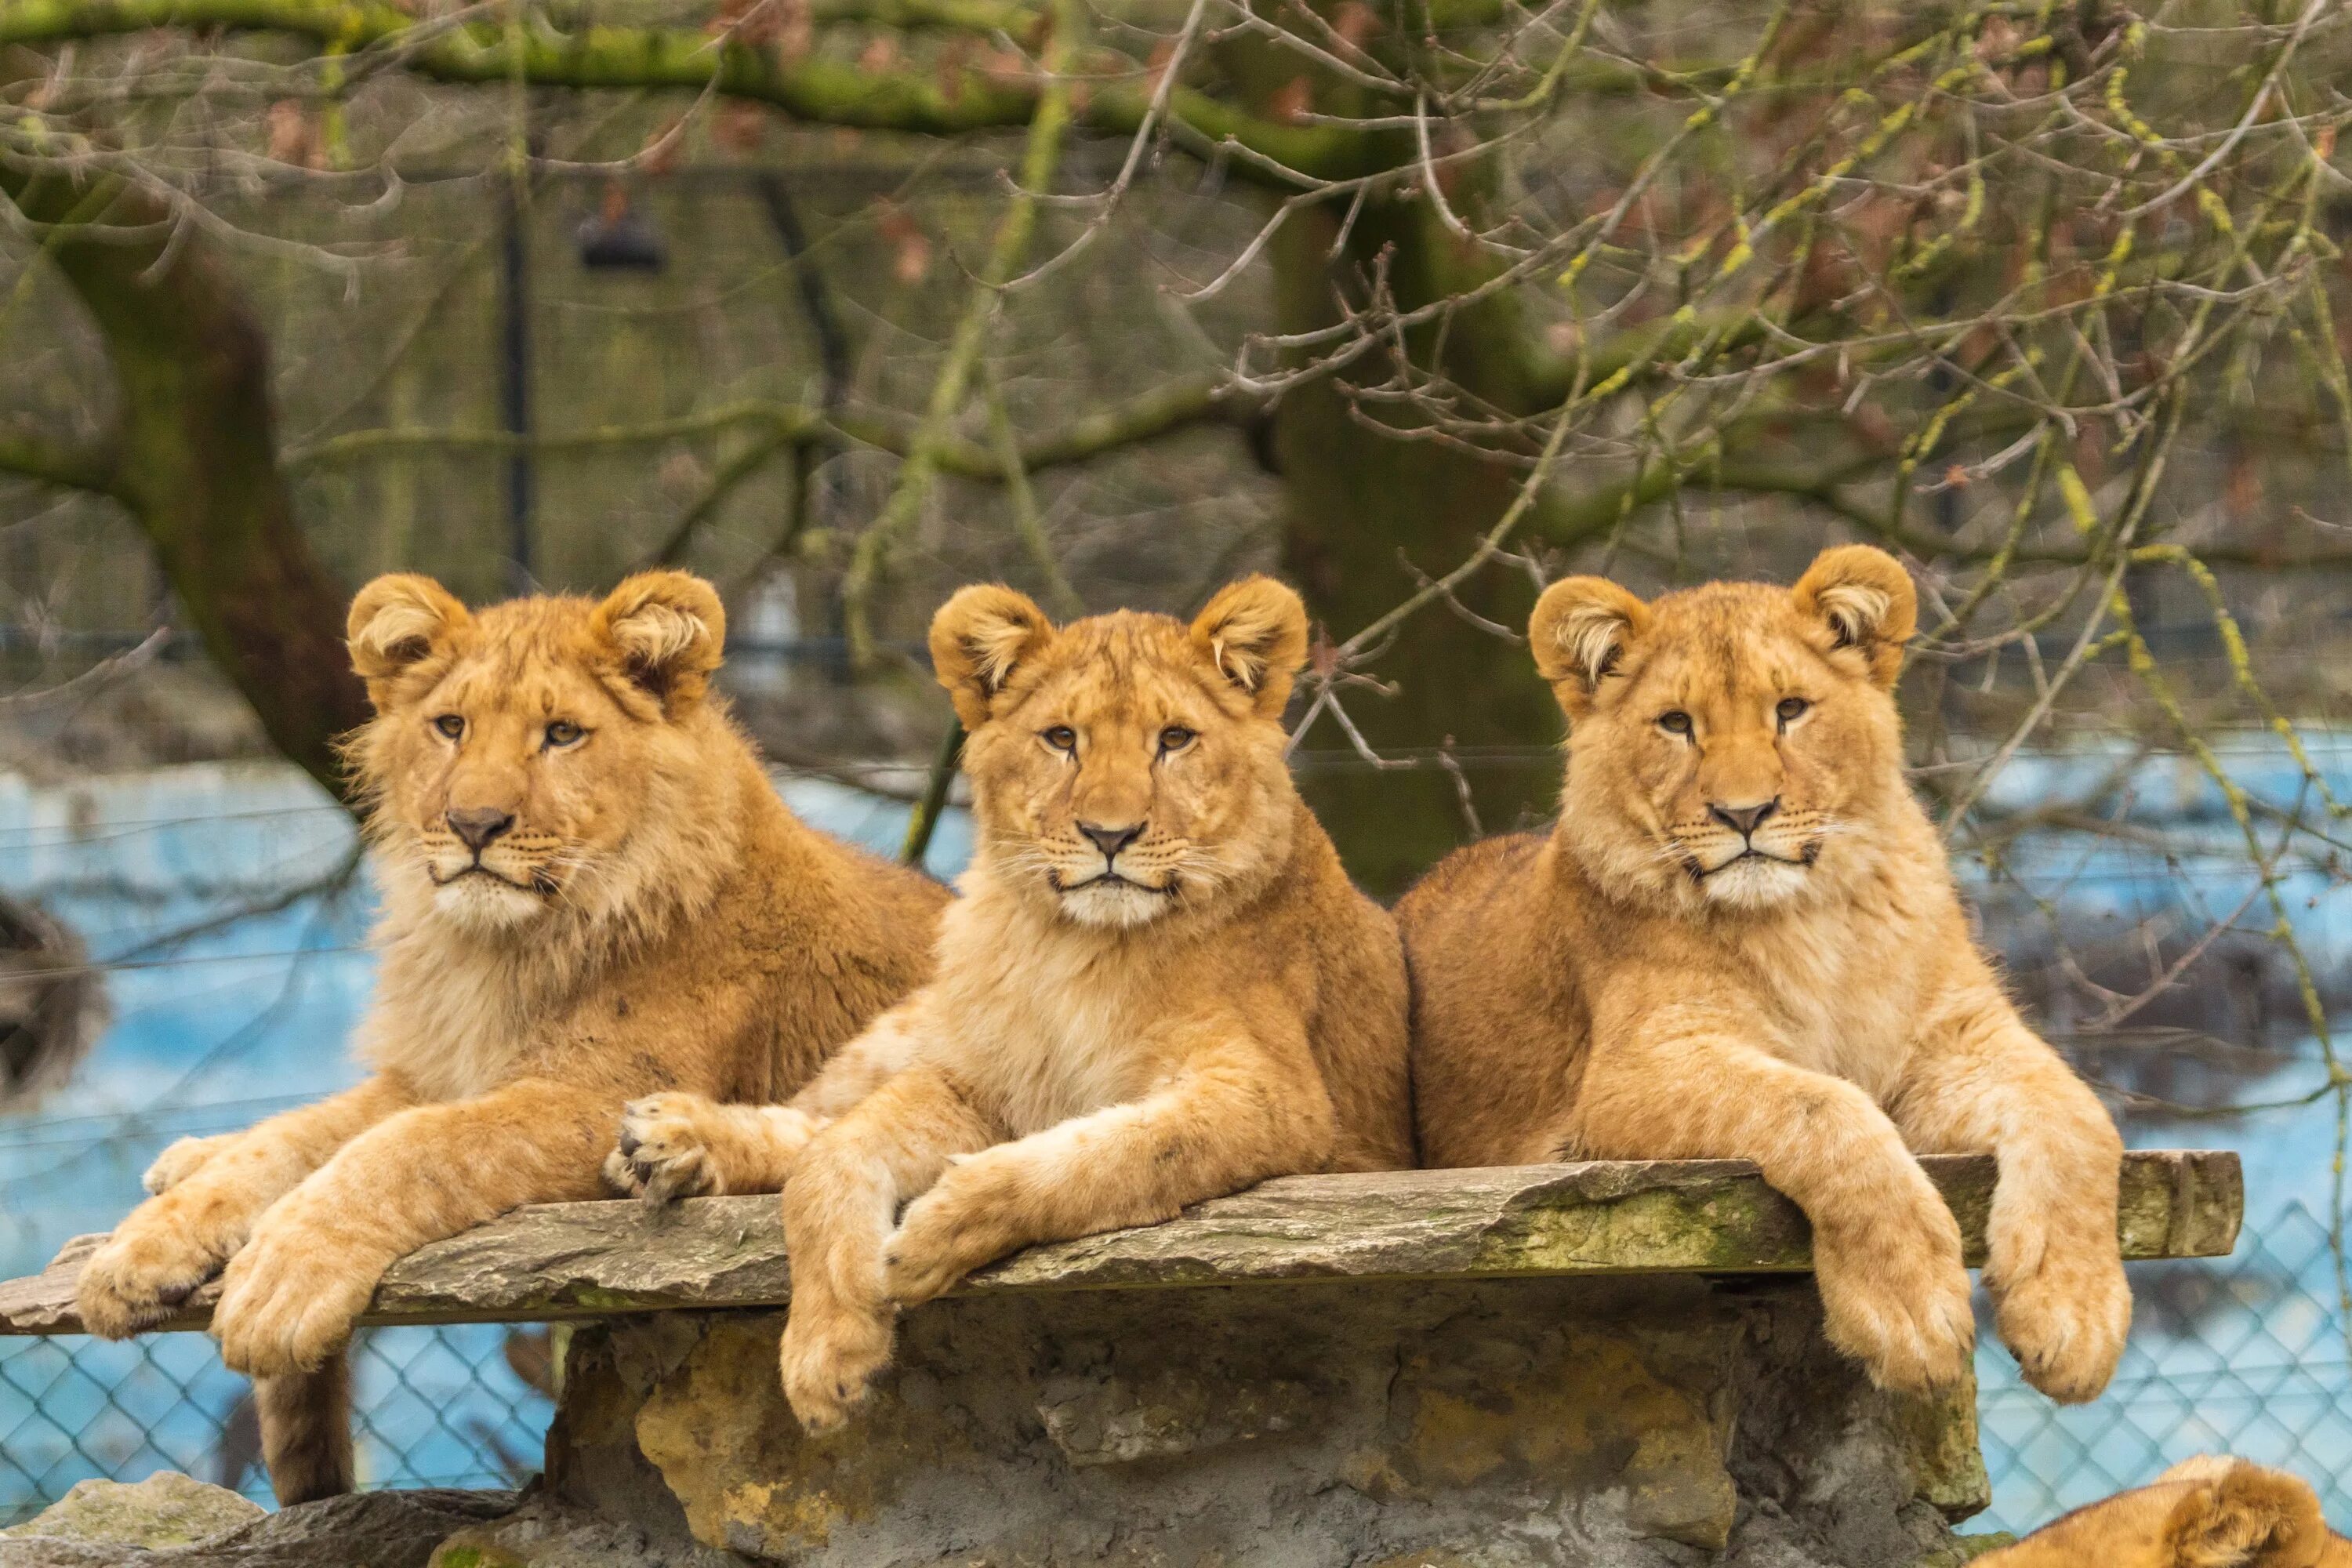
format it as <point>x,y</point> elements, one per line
<point>1675,721</point>
<point>1061,737</point>
<point>1791,708</point>
<point>563,732</point>
<point>1174,738</point>
<point>450,724</point>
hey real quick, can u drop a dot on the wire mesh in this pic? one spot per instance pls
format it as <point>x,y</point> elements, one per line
<point>462,1406</point>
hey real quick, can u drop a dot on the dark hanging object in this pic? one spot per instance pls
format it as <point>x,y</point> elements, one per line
<point>52,1004</point>
<point>618,239</point>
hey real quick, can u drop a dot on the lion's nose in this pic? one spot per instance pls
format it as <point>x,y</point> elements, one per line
<point>1744,820</point>
<point>1111,841</point>
<point>478,825</point>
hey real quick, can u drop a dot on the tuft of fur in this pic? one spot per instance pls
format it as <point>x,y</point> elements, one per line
<point>1096,1050</point>
<point>652,918</point>
<point>2207,1512</point>
<point>1652,980</point>
<point>306,1431</point>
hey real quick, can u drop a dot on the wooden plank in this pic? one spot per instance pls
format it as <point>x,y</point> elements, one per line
<point>1712,1217</point>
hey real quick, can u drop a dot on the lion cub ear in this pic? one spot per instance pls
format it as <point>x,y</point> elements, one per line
<point>2247,1517</point>
<point>1867,601</point>
<point>980,635</point>
<point>1580,631</point>
<point>398,624</point>
<point>669,632</point>
<point>1254,633</point>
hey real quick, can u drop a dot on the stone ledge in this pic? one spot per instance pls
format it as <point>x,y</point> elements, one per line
<point>1603,1217</point>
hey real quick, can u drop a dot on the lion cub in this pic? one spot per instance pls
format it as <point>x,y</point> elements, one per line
<point>1158,985</point>
<point>2208,1512</point>
<point>590,891</point>
<point>1742,940</point>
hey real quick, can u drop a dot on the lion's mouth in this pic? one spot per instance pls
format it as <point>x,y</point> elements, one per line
<point>1102,878</point>
<point>541,885</point>
<point>1699,873</point>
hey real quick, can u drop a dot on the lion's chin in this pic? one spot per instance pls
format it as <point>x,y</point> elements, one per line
<point>1114,905</point>
<point>1755,882</point>
<point>488,906</point>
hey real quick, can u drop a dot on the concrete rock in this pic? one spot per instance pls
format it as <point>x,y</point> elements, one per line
<point>1516,1424</point>
<point>371,1529</point>
<point>167,1509</point>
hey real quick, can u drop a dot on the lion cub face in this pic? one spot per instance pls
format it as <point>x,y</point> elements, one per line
<point>1729,744</point>
<point>529,760</point>
<point>1126,768</point>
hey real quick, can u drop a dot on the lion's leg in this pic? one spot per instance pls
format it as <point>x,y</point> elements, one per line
<point>1236,1115</point>
<point>176,1240</point>
<point>2054,1263</point>
<point>838,1210</point>
<point>677,1144</point>
<point>288,1300</point>
<point>1886,1250</point>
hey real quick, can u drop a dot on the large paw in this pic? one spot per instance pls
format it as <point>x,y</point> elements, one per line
<point>287,1301</point>
<point>1895,1295</point>
<point>140,1277</point>
<point>178,1163</point>
<point>951,1230</point>
<point>662,1155</point>
<point>2062,1307</point>
<point>829,1357</point>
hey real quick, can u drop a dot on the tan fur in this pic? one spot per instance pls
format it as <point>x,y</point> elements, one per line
<point>653,918</point>
<point>2207,1512</point>
<point>1093,1053</point>
<point>1635,984</point>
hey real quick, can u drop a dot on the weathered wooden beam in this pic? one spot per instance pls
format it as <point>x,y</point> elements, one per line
<point>1708,1217</point>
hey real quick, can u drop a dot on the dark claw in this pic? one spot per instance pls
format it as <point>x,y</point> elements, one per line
<point>628,1143</point>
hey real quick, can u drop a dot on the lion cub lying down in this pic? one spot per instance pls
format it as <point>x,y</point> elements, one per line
<point>1741,939</point>
<point>2207,1512</point>
<point>1158,987</point>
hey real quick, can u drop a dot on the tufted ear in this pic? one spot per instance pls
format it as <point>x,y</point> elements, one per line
<point>980,635</point>
<point>1580,631</point>
<point>398,622</point>
<point>668,630</point>
<point>1254,632</point>
<point>2245,1516</point>
<point>1867,601</point>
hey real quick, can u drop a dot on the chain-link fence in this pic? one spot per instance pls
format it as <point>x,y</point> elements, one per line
<point>2245,1356</point>
<point>458,1406</point>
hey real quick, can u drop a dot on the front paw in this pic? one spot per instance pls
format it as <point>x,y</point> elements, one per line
<point>1895,1295</point>
<point>660,1155</point>
<point>288,1299</point>
<point>2066,1318</point>
<point>947,1232</point>
<point>140,1277</point>
<point>829,1358</point>
<point>178,1163</point>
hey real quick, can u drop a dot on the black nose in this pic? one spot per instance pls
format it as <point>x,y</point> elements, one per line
<point>478,825</point>
<point>1744,820</point>
<point>1111,841</point>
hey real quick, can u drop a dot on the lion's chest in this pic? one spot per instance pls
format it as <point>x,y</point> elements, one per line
<point>1059,1040</point>
<point>1842,999</point>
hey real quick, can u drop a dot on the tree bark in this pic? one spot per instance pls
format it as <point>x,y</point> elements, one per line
<point>193,456</point>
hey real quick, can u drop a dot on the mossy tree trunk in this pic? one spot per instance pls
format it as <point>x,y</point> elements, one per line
<point>192,457</point>
<point>1367,503</point>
